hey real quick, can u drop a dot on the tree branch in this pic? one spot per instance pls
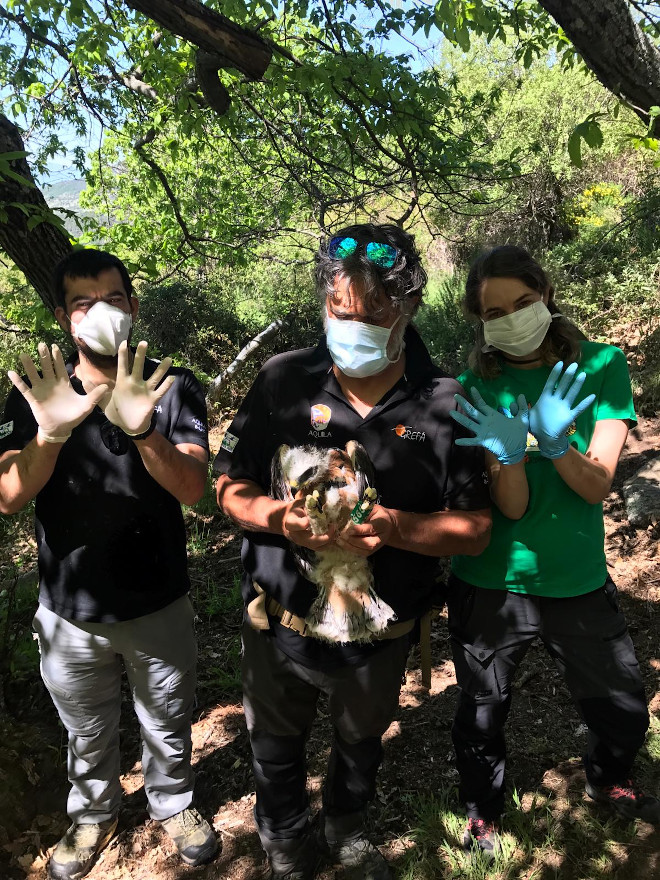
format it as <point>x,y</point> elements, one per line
<point>268,333</point>
<point>614,47</point>
<point>210,31</point>
<point>207,67</point>
<point>33,35</point>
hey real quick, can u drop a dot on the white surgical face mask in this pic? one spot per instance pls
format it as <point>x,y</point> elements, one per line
<point>519,333</point>
<point>358,349</point>
<point>103,328</point>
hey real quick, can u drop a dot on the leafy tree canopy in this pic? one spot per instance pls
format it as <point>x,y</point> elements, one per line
<point>295,108</point>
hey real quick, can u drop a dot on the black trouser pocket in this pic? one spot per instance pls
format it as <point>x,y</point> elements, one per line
<point>460,603</point>
<point>476,670</point>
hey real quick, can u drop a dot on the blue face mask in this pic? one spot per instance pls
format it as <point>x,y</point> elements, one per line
<point>358,349</point>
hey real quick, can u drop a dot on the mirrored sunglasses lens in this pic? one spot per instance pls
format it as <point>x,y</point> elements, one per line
<point>381,254</point>
<point>340,248</point>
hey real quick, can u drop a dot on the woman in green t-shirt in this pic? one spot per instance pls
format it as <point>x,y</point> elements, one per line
<point>553,438</point>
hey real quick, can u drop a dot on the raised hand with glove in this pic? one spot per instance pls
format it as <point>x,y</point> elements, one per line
<point>56,406</point>
<point>131,406</point>
<point>504,436</point>
<point>553,413</point>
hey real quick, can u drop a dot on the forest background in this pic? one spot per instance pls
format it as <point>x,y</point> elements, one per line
<point>214,175</point>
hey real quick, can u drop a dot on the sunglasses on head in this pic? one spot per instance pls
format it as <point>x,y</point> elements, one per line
<point>383,255</point>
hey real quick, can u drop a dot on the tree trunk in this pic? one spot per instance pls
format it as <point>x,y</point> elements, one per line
<point>210,31</point>
<point>623,58</point>
<point>34,251</point>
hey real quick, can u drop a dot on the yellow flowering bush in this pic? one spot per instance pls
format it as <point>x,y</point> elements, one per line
<point>596,206</point>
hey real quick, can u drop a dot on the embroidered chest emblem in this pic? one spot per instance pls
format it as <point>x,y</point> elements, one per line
<point>407,432</point>
<point>229,442</point>
<point>320,419</point>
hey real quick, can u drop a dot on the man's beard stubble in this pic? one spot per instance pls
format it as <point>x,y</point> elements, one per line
<point>100,361</point>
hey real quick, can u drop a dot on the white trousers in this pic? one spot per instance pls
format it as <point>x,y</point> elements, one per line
<point>81,667</point>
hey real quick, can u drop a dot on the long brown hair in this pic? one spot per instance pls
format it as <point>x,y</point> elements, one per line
<point>562,341</point>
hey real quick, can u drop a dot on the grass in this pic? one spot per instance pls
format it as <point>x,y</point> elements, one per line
<point>544,835</point>
<point>207,505</point>
<point>651,750</point>
<point>223,601</point>
<point>199,520</point>
<point>222,675</point>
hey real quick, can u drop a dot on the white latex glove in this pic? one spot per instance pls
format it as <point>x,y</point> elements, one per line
<point>131,406</point>
<point>55,405</point>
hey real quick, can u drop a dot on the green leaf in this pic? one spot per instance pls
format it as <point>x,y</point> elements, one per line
<point>9,157</point>
<point>593,134</point>
<point>33,221</point>
<point>7,172</point>
<point>24,209</point>
<point>575,147</point>
<point>36,90</point>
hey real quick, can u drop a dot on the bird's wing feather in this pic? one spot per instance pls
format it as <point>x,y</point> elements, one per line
<point>364,469</point>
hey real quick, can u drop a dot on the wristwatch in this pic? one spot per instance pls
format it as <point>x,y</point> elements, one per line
<point>148,432</point>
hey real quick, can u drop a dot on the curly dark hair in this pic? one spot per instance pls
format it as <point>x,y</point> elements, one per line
<point>405,280</point>
<point>562,341</point>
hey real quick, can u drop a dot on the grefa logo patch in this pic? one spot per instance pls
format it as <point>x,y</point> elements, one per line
<point>406,432</point>
<point>6,429</point>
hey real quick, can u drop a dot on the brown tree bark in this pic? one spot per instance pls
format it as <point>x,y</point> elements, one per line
<point>34,251</point>
<point>613,46</point>
<point>210,31</point>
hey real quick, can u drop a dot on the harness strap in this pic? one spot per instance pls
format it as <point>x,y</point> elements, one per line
<point>259,609</point>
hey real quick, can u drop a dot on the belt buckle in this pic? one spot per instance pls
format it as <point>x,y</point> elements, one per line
<point>288,620</point>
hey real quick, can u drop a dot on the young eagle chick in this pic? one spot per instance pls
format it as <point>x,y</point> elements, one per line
<point>337,485</point>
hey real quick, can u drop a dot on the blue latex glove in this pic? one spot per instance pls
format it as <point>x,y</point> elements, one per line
<point>504,436</point>
<point>553,413</point>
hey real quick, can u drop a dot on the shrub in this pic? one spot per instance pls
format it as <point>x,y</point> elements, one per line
<point>444,328</point>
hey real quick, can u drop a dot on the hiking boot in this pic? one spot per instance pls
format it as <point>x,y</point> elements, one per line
<point>301,872</point>
<point>193,837</point>
<point>482,834</point>
<point>360,859</point>
<point>344,838</point>
<point>75,854</point>
<point>293,859</point>
<point>627,800</point>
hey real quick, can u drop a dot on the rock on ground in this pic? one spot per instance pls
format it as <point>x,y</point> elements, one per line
<point>642,495</point>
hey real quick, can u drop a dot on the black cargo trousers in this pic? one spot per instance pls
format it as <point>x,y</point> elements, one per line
<point>279,699</point>
<point>586,636</point>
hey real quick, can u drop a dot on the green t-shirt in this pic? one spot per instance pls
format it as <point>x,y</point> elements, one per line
<point>557,547</point>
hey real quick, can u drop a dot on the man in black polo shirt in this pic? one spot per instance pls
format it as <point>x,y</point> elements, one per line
<point>369,380</point>
<point>110,452</point>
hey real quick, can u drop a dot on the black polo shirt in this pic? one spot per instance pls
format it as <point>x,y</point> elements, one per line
<point>409,436</point>
<point>111,540</point>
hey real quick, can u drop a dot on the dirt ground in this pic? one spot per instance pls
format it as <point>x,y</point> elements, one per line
<point>545,735</point>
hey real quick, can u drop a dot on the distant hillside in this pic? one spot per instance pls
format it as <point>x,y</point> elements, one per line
<point>66,195</point>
